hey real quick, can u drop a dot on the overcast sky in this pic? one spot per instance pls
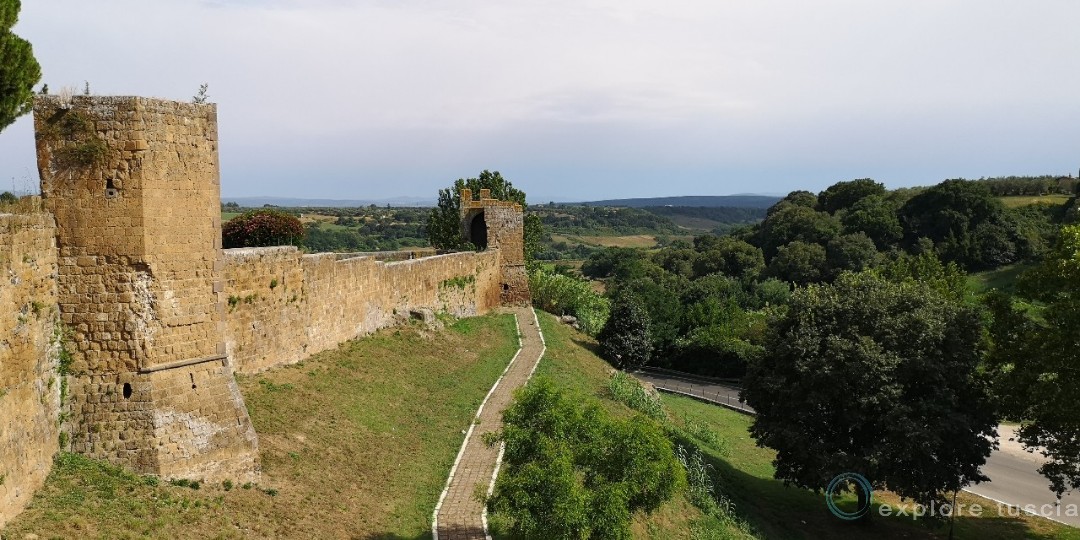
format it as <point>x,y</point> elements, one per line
<point>585,99</point>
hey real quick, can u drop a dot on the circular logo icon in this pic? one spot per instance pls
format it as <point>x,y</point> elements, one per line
<point>861,483</point>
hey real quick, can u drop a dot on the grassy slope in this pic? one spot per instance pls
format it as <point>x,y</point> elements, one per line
<point>782,512</point>
<point>1003,278</point>
<point>1025,200</point>
<point>745,472</point>
<point>356,442</point>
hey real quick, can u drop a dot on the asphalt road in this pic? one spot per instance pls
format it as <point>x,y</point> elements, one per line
<point>718,393</point>
<point>1014,479</point>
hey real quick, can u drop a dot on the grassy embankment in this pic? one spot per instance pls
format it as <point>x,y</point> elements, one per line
<point>355,443</point>
<point>744,472</point>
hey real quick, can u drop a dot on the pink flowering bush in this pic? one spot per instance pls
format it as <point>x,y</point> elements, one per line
<point>258,228</point>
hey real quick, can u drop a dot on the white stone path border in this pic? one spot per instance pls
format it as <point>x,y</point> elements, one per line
<point>472,425</point>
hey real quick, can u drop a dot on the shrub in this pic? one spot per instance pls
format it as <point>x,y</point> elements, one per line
<point>626,390</point>
<point>567,295</point>
<point>571,471</point>
<point>264,227</point>
<point>626,340</point>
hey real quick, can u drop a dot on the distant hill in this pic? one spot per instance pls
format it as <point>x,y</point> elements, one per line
<point>291,202</point>
<point>708,201</point>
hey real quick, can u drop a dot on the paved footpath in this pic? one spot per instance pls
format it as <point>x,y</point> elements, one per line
<point>459,513</point>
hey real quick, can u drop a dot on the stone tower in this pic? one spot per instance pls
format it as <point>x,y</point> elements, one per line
<point>134,186</point>
<point>491,223</point>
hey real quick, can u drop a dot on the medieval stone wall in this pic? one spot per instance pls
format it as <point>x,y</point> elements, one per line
<point>122,276</point>
<point>29,379</point>
<point>134,186</point>
<point>504,224</point>
<point>284,306</point>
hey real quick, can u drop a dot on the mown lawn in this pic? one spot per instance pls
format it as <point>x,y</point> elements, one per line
<point>354,443</point>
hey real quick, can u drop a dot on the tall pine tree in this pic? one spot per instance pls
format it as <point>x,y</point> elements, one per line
<point>19,70</point>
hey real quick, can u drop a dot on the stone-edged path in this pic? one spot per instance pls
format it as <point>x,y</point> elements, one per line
<point>460,515</point>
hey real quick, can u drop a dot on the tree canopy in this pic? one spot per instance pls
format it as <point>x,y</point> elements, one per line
<point>19,70</point>
<point>1035,361</point>
<point>444,223</point>
<point>560,477</point>
<point>626,339</point>
<point>876,378</point>
<point>843,195</point>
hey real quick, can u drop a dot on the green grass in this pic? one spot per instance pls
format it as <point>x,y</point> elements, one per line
<point>786,512</point>
<point>571,363</point>
<point>1003,278</point>
<point>1025,200</point>
<point>354,443</point>
<point>357,442</point>
<point>744,472</point>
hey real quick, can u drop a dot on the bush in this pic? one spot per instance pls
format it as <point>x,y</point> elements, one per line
<point>626,390</point>
<point>566,295</point>
<point>626,340</point>
<point>264,227</point>
<point>571,471</point>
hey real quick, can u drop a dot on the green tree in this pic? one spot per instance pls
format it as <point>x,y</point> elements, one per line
<point>264,227</point>
<point>444,222</point>
<point>618,262</point>
<point>946,279</point>
<point>676,260</point>
<point>842,195</point>
<point>799,262</point>
<point>874,216</point>
<point>8,197</point>
<point>851,252</point>
<point>967,224</point>
<point>19,70</point>
<point>561,479</point>
<point>878,378</point>
<point>795,223</point>
<point>731,257</point>
<point>625,340</point>
<point>1036,365</point>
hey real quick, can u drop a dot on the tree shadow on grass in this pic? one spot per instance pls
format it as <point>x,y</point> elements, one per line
<point>588,345</point>
<point>789,512</point>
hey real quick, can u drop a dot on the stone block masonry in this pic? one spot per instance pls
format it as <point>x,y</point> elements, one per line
<point>133,184</point>
<point>493,224</point>
<point>126,321</point>
<point>29,357</point>
<point>284,306</point>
